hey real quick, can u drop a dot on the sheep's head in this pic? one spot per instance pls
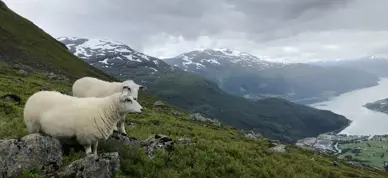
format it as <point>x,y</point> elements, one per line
<point>127,104</point>
<point>132,88</point>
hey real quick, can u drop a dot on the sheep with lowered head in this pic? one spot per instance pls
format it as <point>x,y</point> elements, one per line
<point>93,87</point>
<point>40,102</point>
<point>88,120</point>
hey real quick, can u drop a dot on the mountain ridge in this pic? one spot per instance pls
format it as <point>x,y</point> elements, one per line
<point>196,93</point>
<point>261,78</point>
<point>212,151</point>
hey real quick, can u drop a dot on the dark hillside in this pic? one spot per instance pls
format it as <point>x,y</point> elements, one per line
<point>24,44</point>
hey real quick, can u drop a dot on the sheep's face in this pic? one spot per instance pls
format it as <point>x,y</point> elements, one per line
<point>128,104</point>
<point>132,88</point>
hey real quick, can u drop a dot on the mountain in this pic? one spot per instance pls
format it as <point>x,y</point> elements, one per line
<point>280,120</point>
<point>245,75</point>
<point>117,58</point>
<point>215,151</point>
<point>374,65</point>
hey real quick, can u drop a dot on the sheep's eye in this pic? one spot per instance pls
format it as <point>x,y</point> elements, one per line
<point>129,89</point>
<point>128,100</point>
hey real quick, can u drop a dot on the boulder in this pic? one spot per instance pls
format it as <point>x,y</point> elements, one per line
<point>11,98</point>
<point>123,139</point>
<point>156,142</point>
<point>19,80</point>
<point>185,141</point>
<point>105,165</point>
<point>159,104</point>
<point>253,135</point>
<point>32,152</point>
<point>279,148</point>
<point>199,117</point>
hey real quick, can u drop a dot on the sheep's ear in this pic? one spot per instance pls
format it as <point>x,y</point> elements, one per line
<point>142,87</point>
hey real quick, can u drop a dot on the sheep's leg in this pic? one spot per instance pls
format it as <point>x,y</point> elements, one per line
<point>122,127</point>
<point>95,144</point>
<point>120,124</point>
<point>88,149</point>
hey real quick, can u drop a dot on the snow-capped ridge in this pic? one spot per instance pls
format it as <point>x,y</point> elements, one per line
<point>201,59</point>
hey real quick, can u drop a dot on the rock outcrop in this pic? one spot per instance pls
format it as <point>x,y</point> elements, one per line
<point>102,166</point>
<point>155,142</point>
<point>31,152</point>
<point>199,117</point>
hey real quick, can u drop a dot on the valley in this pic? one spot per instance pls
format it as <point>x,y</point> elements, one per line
<point>248,76</point>
<point>275,118</point>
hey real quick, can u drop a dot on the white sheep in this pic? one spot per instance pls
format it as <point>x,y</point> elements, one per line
<point>93,87</point>
<point>40,102</point>
<point>88,120</point>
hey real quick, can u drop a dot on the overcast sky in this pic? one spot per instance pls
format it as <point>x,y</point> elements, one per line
<point>277,30</point>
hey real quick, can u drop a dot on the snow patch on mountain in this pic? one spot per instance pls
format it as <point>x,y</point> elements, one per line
<point>114,55</point>
<point>203,59</point>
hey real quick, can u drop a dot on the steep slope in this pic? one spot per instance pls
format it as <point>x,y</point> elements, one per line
<point>215,152</point>
<point>193,92</point>
<point>39,51</point>
<point>245,75</point>
<point>374,65</point>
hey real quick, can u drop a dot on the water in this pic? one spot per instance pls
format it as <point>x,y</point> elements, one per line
<point>350,105</point>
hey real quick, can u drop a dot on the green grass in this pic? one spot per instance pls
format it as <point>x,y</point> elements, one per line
<point>217,152</point>
<point>371,152</point>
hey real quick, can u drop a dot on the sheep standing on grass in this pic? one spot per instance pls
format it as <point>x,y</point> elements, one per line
<point>93,87</point>
<point>40,102</point>
<point>88,120</point>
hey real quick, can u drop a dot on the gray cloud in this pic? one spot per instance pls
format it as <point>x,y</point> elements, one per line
<point>291,30</point>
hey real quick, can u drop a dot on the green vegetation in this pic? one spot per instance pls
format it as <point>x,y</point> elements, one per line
<point>217,152</point>
<point>367,152</point>
<point>274,118</point>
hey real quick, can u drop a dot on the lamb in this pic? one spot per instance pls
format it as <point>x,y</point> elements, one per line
<point>88,120</point>
<point>93,87</point>
<point>40,102</point>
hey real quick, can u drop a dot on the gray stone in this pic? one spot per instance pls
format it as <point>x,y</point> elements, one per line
<point>253,135</point>
<point>12,98</point>
<point>23,72</point>
<point>279,148</point>
<point>199,117</point>
<point>105,165</point>
<point>156,142</point>
<point>19,80</point>
<point>32,152</point>
<point>185,141</point>
<point>160,104</point>
<point>123,139</point>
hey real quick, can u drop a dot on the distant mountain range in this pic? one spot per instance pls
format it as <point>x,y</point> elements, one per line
<point>273,117</point>
<point>242,74</point>
<point>374,65</point>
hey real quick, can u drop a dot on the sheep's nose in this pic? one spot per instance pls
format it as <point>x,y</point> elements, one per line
<point>141,109</point>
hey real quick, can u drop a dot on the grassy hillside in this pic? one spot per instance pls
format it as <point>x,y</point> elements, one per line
<point>274,118</point>
<point>24,44</point>
<point>217,152</point>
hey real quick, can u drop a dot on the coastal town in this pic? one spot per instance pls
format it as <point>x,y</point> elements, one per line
<point>368,150</point>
